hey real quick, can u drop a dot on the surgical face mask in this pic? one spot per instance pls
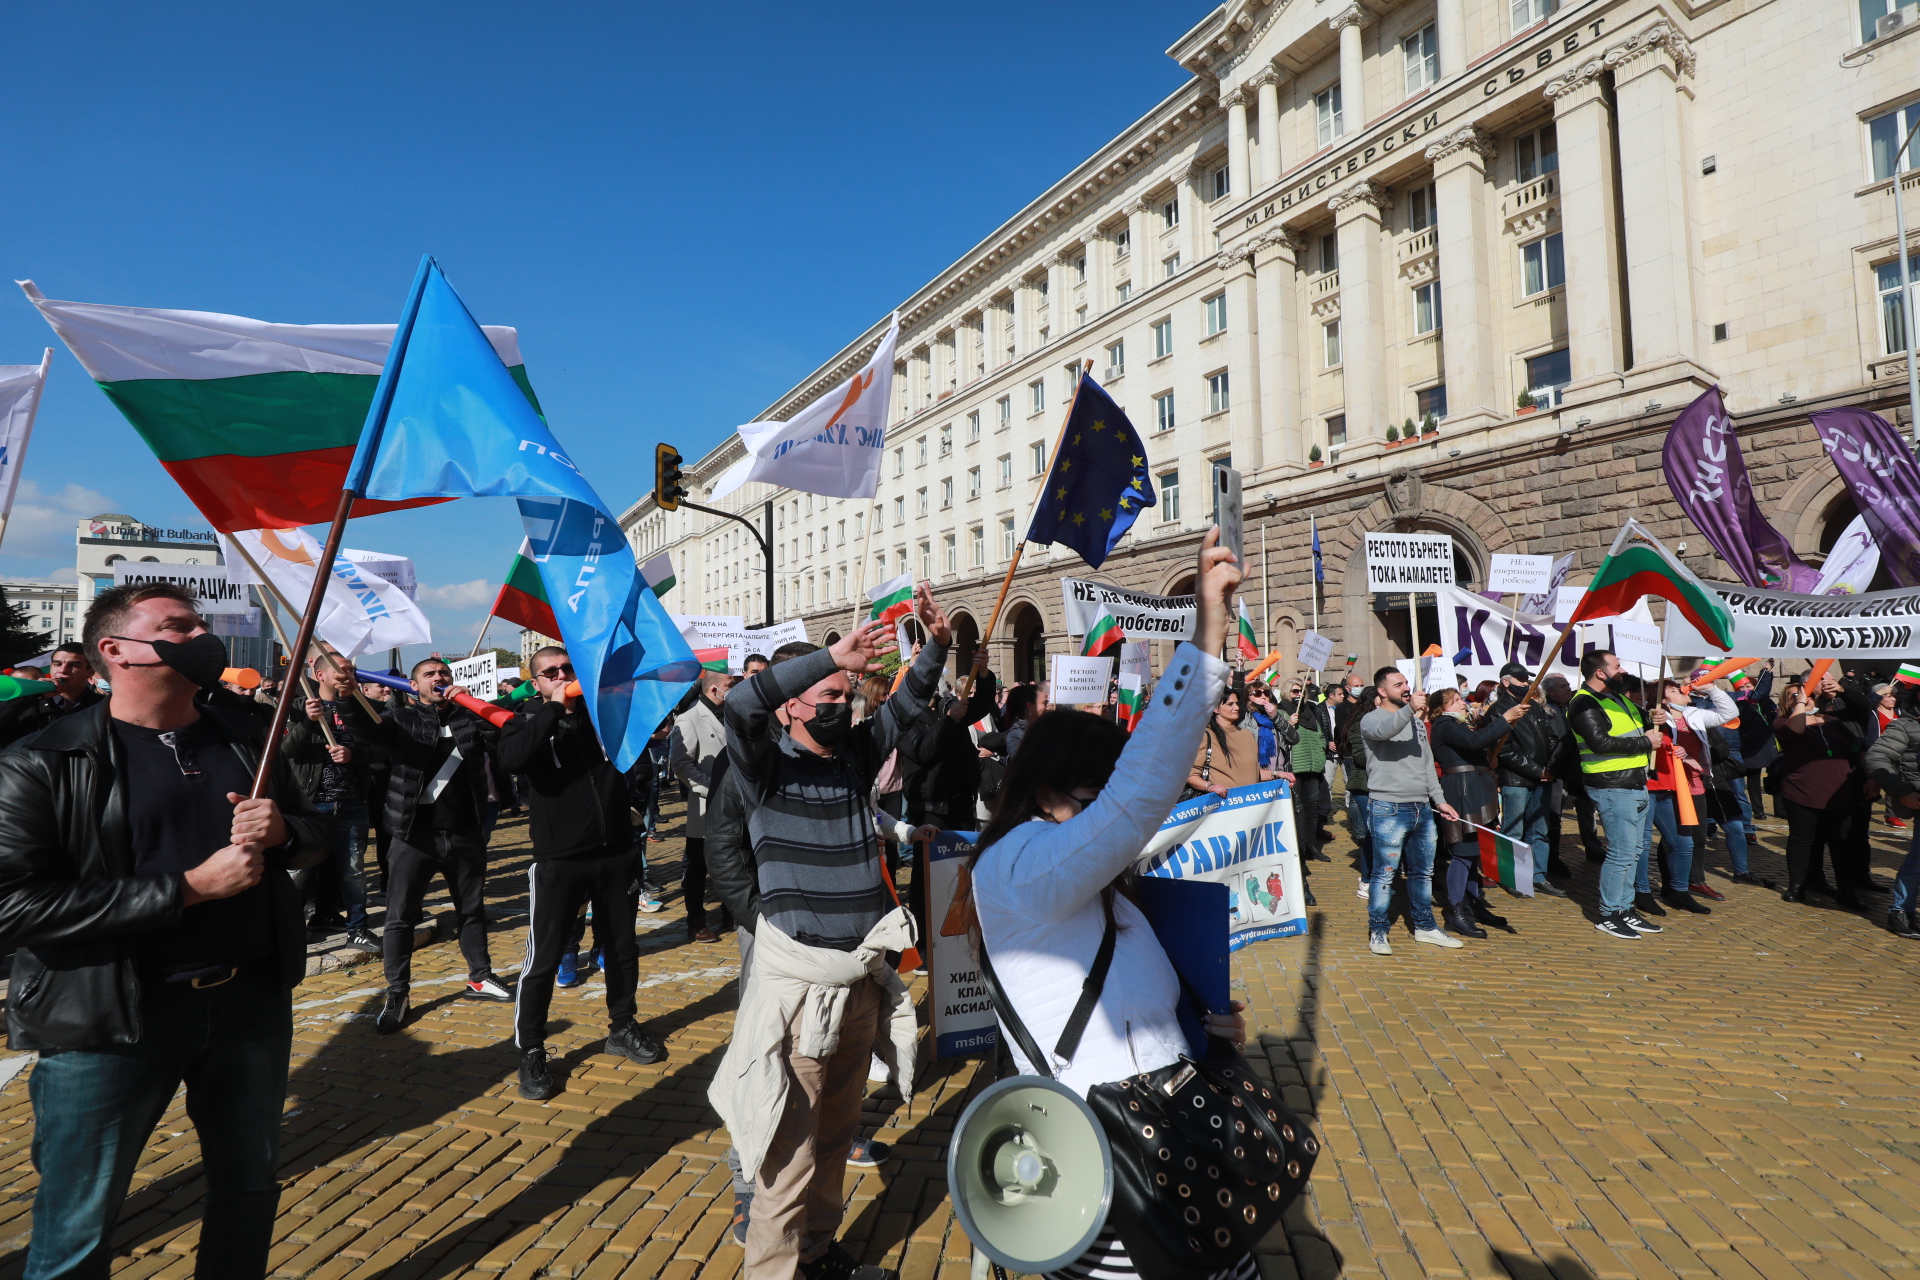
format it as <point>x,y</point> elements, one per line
<point>831,724</point>
<point>202,660</point>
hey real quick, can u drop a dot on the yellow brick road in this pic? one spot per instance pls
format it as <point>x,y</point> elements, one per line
<point>1733,1099</point>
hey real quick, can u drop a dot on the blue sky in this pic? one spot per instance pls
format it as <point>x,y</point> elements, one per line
<point>684,209</point>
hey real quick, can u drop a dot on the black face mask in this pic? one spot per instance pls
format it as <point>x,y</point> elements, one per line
<point>831,724</point>
<point>1617,684</point>
<point>202,660</point>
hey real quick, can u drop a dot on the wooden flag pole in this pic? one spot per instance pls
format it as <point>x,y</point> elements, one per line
<point>1006,582</point>
<point>340,666</point>
<point>484,624</point>
<point>299,670</point>
<point>302,638</point>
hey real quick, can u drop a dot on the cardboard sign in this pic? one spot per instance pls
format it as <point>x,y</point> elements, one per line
<point>765,640</point>
<point>964,1022</point>
<point>1246,841</point>
<point>1543,602</point>
<point>216,593</point>
<point>1409,561</point>
<point>1079,681</point>
<point>1520,575</point>
<point>1316,652</point>
<point>1433,674</point>
<point>1135,659</point>
<point>478,675</point>
<point>1637,642</point>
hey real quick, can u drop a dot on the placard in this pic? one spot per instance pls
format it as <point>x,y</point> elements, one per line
<point>1136,659</point>
<point>964,1022</point>
<point>1432,675</point>
<point>1520,575</point>
<point>216,594</point>
<point>478,675</point>
<point>1565,601</point>
<point>1636,642</point>
<point>1556,579</point>
<point>1141,616</point>
<point>721,631</point>
<point>766,639</point>
<point>1079,681</point>
<point>1316,652</point>
<point>1246,841</point>
<point>1409,561</point>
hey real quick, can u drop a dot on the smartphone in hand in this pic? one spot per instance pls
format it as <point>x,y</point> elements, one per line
<point>1227,512</point>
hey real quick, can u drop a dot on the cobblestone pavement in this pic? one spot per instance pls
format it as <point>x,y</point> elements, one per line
<point>1732,1098</point>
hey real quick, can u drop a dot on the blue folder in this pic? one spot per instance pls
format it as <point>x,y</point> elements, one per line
<point>1190,919</point>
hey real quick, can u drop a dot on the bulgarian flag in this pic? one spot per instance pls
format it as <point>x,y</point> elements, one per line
<point>1508,863</point>
<point>1101,636</point>
<point>1132,700</point>
<point>1249,647</point>
<point>658,573</point>
<point>256,421</point>
<point>892,599</point>
<point>712,659</point>
<point>1909,673</point>
<point>1637,565</point>
<point>523,597</point>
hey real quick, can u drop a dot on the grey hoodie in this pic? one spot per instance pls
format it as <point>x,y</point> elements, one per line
<point>1399,758</point>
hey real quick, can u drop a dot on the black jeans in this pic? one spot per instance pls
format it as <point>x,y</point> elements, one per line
<point>693,882</point>
<point>461,861</point>
<point>556,890</point>
<point>1811,831</point>
<point>94,1109</point>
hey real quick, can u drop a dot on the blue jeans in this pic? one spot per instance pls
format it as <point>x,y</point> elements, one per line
<point>349,845</point>
<point>93,1110</point>
<point>1357,821</point>
<point>1906,881</point>
<point>1523,819</point>
<point>1623,812</point>
<point>1738,832</point>
<point>1401,832</point>
<point>1666,816</point>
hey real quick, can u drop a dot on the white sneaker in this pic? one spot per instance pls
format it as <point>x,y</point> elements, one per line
<point>1363,890</point>
<point>488,989</point>
<point>1437,938</point>
<point>1378,944</point>
<point>650,904</point>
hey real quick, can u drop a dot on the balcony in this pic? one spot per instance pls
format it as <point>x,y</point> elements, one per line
<point>1419,256</point>
<point>1531,208</point>
<point>1323,297</point>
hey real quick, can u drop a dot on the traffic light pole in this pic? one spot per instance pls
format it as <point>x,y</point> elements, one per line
<point>765,540</point>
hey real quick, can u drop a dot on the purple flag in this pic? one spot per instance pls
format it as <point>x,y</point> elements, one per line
<point>1709,479</point>
<point>1877,464</point>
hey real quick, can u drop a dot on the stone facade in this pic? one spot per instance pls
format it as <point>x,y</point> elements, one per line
<point>1621,204</point>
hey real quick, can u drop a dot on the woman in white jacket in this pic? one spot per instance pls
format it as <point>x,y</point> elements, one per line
<point>1686,736</point>
<point>1077,806</point>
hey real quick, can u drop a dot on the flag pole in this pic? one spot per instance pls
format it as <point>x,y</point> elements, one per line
<point>1019,548</point>
<point>484,624</point>
<point>339,666</point>
<point>297,669</point>
<point>859,593</point>
<point>302,638</point>
<point>1266,597</point>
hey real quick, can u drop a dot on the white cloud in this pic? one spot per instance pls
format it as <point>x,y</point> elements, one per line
<point>461,595</point>
<point>42,523</point>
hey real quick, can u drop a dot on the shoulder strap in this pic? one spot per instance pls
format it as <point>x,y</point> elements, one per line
<point>1069,1042</point>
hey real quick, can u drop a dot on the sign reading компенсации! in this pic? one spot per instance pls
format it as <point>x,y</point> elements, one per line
<point>1408,561</point>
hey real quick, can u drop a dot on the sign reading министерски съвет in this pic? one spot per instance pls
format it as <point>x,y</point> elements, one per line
<point>1401,560</point>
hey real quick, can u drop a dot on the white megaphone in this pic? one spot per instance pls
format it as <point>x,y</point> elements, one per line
<point>1030,1174</point>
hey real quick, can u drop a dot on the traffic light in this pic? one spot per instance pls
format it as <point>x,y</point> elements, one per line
<point>667,491</point>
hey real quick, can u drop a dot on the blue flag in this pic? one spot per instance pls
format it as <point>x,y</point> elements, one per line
<point>1098,482</point>
<point>1319,570</point>
<point>449,421</point>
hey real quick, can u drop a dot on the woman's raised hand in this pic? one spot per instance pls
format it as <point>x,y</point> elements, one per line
<point>1213,592</point>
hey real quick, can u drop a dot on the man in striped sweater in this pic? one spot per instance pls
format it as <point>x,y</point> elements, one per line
<point>822,884</point>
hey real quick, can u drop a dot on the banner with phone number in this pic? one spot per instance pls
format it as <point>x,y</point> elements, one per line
<point>1247,841</point>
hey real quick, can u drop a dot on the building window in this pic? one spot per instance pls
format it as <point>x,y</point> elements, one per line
<point>809,593</point>
<point>978,536</point>
<point>926,560</point>
<point>1543,265</point>
<point>1536,154</point>
<point>1006,538</point>
<point>1169,482</point>
<point>946,493</point>
<point>1527,12</point>
<point>951,549</point>
<point>1222,184</point>
<point>1216,314</point>
<point>1163,412</point>
<point>1006,470</point>
<point>1330,338</point>
<point>1080,269</point>
<point>946,440</point>
<point>1038,452</point>
<point>1336,430</point>
<point>973,427</point>
<point>1170,266</point>
<point>1005,404</point>
<point>1326,110</point>
<point>1422,209</point>
<point>920,502</point>
<point>973,482</point>
<point>1426,307</point>
<point>1547,375</point>
<point>1117,359</point>
<point>1421,54</point>
<point>1217,400</point>
<point>1122,242</point>
<point>1080,317</point>
<point>1893,320</point>
<point>1037,396</point>
<point>1170,214</point>
<point>1122,291</point>
<point>899,511</point>
<point>1887,132</point>
<point>899,466</point>
<point>1163,338</point>
<point>840,535</point>
<point>1330,252</point>
<point>1431,402</point>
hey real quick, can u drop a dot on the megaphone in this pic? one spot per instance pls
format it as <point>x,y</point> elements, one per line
<point>1030,1174</point>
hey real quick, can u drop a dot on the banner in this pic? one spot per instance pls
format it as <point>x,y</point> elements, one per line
<point>1080,682</point>
<point>1141,616</point>
<point>1877,464</point>
<point>964,1022</point>
<point>765,640</point>
<point>1877,626</point>
<point>362,612</point>
<point>1708,476</point>
<point>1409,561</point>
<point>1246,841</point>
<point>478,675</point>
<point>218,595</point>
<point>20,388</point>
<point>1478,635</point>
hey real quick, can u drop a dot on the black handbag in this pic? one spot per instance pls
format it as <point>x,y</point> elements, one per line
<point>1205,1157</point>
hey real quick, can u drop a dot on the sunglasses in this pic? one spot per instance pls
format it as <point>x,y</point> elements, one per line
<point>555,673</point>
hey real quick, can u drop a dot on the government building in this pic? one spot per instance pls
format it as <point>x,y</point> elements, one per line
<point>1444,265</point>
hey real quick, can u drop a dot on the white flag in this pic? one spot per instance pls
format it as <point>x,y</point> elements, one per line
<point>20,387</point>
<point>1850,566</point>
<point>834,445</point>
<point>362,611</point>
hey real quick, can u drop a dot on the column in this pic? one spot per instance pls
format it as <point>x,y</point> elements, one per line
<point>1267,82</point>
<point>1471,358</point>
<point>1587,201</point>
<point>1357,212</point>
<point>1059,286</point>
<point>1450,16</point>
<point>1235,101</point>
<point>1648,72</point>
<point>1019,315</point>
<point>1353,96</point>
<point>1243,373</point>
<point>1276,274</point>
<point>1141,259</point>
<point>1193,215</point>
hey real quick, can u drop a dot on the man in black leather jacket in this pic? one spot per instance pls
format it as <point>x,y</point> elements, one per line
<point>68,670</point>
<point>158,936</point>
<point>1526,773</point>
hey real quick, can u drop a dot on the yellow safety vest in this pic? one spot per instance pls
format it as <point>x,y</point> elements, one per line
<point>1623,721</point>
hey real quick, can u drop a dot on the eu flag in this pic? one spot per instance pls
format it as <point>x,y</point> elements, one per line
<point>1098,482</point>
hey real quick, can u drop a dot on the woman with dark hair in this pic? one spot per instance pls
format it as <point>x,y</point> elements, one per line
<point>1053,866</point>
<point>1025,704</point>
<point>1229,755</point>
<point>1460,753</point>
<point>1822,737</point>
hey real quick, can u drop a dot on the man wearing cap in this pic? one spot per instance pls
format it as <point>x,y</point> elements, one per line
<point>1526,772</point>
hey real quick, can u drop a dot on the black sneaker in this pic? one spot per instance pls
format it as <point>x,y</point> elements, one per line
<point>1746,877</point>
<point>1648,905</point>
<point>536,1082</point>
<point>632,1041</point>
<point>361,940</point>
<point>1639,923</point>
<point>1899,926</point>
<point>1685,902</point>
<point>1615,927</point>
<point>1549,889</point>
<point>837,1264</point>
<point>393,1014</point>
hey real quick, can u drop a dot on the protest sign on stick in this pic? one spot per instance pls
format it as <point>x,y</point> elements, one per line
<point>1407,562</point>
<point>1079,681</point>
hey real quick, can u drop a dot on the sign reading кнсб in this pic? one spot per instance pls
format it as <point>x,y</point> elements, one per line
<point>1403,560</point>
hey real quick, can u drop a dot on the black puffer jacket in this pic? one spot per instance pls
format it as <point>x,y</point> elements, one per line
<point>22,716</point>
<point>1532,745</point>
<point>577,801</point>
<point>410,738</point>
<point>70,901</point>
